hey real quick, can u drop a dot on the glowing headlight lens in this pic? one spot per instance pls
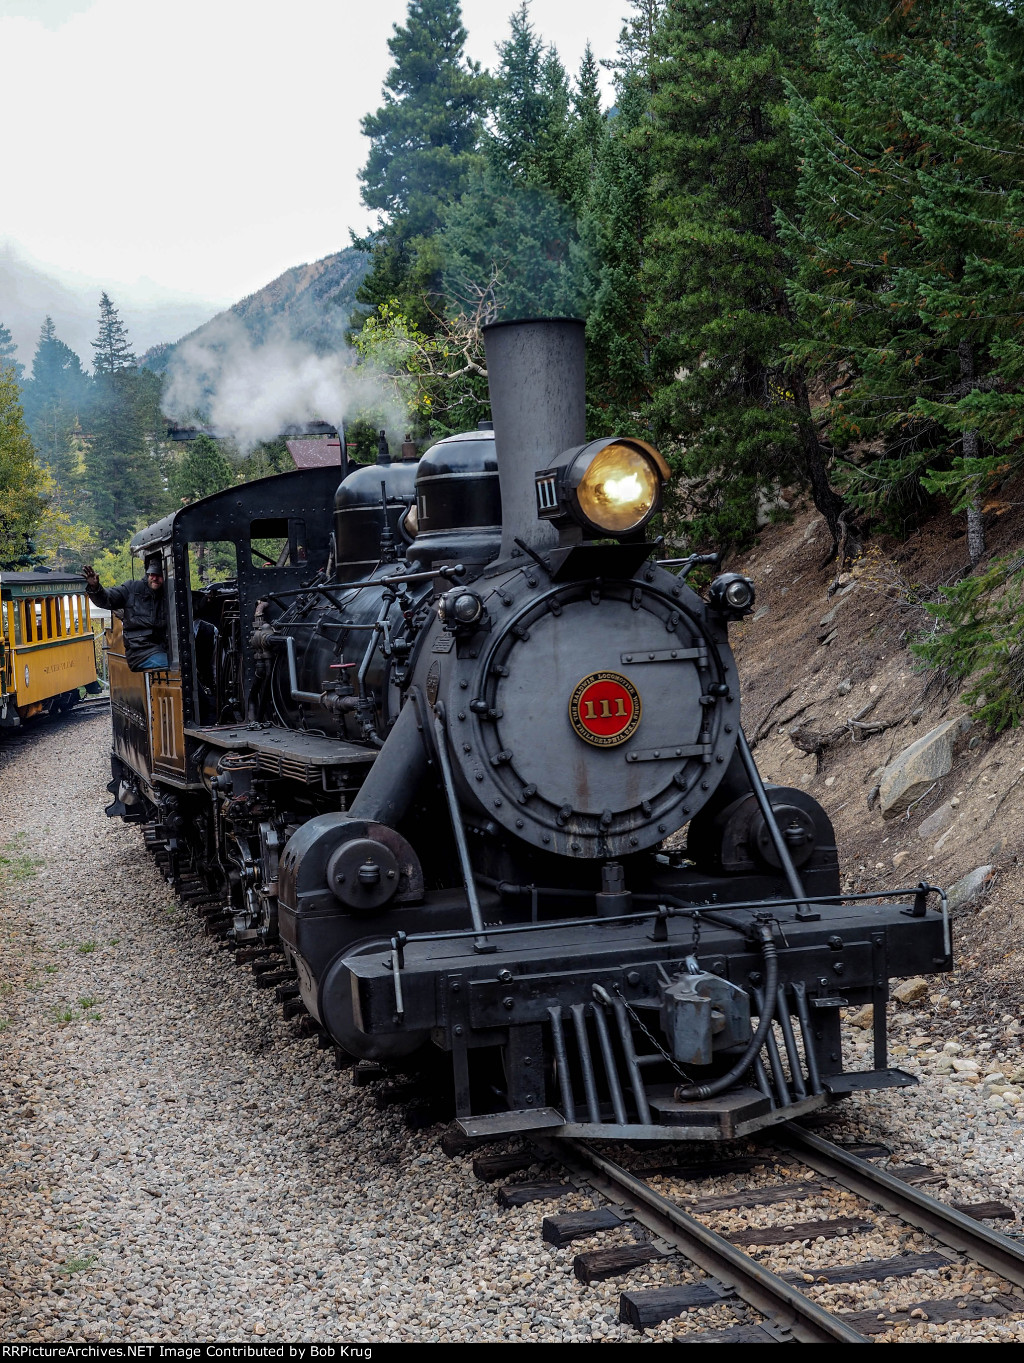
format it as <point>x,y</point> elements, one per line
<point>619,489</point>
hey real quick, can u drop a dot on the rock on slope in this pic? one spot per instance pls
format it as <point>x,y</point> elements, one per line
<point>833,697</point>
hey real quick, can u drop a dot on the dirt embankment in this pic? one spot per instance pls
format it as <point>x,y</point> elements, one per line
<point>825,665</point>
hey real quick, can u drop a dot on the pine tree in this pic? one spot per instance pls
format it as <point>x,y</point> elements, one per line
<point>21,479</point>
<point>9,354</point>
<point>637,40</point>
<point>556,148</point>
<point>528,140</point>
<point>911,276</point>
<point>422,144</point>
<point>519,106</point>
<point>56,398</point>
<point>716,272</point>
<point>112,349</point>
<point>585,133</point>
<point>202,470</point>
<point>978,637</point>
<point>614,226</point>
<point>515,244</point>
<point>514,231</point>
<point>615,223</point>
<point>122,476</point>
<point>975,213</point>
<point>56,368</point>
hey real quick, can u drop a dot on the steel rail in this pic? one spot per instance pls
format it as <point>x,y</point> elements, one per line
<point>754,1284</point>
<point>990,1248</point>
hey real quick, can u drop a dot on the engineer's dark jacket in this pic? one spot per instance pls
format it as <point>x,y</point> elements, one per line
<point>144,617</point>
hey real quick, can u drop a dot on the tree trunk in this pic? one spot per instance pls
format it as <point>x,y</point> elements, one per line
<point>827,501</point>
<point>825,498</point>
<point>975,524</point>
<point>975,533</point>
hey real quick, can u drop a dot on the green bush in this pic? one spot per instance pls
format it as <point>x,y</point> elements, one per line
<point>979,636</point>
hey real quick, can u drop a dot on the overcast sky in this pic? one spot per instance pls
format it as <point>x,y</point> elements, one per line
<point>188,151</point>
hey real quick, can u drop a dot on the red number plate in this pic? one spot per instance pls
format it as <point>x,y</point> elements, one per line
<point>605,709</point>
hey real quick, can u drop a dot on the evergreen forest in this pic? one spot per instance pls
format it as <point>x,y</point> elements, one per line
<point>795,234</point>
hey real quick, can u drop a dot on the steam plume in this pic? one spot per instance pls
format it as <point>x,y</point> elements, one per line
<point>253,392</point>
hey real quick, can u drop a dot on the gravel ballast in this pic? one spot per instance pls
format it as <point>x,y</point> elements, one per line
<point>178,1167</point>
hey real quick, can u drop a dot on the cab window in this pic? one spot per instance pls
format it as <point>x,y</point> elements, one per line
<point>277,542</point>
<point>211,561</point>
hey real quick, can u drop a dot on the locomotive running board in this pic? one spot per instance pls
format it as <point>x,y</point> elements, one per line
<point>736,1114</point>
<point>510,1123</point>
<point>273,740</point>
<point>858,1081</point>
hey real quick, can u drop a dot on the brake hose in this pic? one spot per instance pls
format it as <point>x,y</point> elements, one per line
<point>692,1093</point>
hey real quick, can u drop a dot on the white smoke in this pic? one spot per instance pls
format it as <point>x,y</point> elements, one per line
<point>253,391</point>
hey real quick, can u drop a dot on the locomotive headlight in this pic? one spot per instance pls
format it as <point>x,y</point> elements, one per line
<point>608,487</point>
<point>732,595</point>
<point>620,489</point>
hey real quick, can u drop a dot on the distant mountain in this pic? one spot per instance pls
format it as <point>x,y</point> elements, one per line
<point>310,303</point>
<point>29,292</point>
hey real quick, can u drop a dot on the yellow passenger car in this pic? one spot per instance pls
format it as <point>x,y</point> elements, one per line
<point>47,652</point>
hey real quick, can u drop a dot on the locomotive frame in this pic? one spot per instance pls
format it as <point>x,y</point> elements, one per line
<point>354,754</point>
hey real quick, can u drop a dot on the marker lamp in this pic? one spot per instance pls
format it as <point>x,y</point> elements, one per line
<point>732,595</point>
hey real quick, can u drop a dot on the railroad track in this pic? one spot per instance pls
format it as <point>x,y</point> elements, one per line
<point>85,709</point>
<point>14,740</point>
<point>731,1268</point>
<point>712,1260</point>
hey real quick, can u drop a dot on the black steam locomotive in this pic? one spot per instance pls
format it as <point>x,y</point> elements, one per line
<point>440,745</point>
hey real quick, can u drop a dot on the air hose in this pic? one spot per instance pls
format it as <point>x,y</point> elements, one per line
<point>692,1093</point>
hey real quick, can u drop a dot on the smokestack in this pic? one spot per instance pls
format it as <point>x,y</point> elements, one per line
<point>536,378</point>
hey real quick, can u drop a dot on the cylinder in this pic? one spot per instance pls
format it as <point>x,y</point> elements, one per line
<point>536,378</point>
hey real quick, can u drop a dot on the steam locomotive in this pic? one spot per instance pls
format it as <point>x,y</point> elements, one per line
<point>456,740</point>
